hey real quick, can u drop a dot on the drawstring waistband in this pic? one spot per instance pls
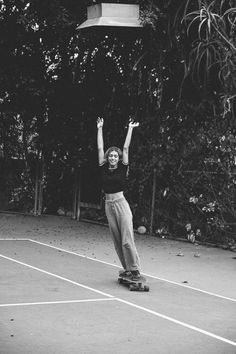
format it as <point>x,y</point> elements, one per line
<point>114,196</point>
<point>114,200</point>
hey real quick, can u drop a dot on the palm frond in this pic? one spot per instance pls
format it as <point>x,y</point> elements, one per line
<point>191,14</point>
<point>229,11</point>
<point>200,27</point>
<point>190,25</point>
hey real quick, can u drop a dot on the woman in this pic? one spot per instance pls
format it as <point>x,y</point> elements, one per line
<point>114,166</point>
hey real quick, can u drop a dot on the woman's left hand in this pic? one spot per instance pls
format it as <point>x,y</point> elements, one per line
<point>133,124</point>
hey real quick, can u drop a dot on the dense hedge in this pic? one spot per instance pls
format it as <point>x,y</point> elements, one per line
<point>176,76</point>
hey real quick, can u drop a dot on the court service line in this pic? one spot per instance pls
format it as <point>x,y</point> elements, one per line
<point>57,276</point>
<point>145,274</point>
<point>56,302</point>
<point>196,329</point>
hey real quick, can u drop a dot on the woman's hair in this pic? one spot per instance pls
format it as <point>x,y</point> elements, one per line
<point>113,148</point>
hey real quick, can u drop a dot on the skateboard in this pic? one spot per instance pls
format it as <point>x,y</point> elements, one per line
<point>133,285</point>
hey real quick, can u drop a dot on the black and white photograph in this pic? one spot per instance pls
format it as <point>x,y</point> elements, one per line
<point>117,177</point>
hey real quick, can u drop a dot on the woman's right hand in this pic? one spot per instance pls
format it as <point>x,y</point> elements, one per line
<point>100,122</point>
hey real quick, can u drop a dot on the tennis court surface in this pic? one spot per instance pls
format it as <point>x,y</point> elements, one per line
<point>53,300</point>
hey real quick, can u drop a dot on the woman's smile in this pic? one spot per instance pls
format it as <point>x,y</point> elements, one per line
<point>113,158</point>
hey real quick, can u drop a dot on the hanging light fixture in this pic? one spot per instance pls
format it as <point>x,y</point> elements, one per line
<point>112,15</point>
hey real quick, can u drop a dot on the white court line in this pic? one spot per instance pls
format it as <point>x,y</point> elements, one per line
<point>128,303</point>
<point>14,239</point>
<point>56,276</point>
<point>145,274</point>
<point>196,329</point>
<point>114,265</point>
<point>56,302</point>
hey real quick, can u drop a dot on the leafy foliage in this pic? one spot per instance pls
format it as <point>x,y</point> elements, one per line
<point>176,76</point>
<point>214,48</point>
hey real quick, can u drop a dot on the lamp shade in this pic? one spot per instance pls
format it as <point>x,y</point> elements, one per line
<point>109,14</point>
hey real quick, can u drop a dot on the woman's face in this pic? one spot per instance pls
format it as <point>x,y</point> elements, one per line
<point>113,158</point>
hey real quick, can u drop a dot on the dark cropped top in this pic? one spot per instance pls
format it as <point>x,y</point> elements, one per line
<point>113,180</point>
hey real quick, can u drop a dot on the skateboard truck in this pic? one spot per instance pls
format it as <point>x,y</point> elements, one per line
<point>134,285</point>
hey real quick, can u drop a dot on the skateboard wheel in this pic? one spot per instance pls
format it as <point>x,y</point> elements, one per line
<point>132,288</point>
<point>146,288</point>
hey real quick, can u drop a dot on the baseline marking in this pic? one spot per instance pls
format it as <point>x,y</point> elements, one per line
<point>57,276</point>
<point>196,329</point>
<point>145,274</point>
<point>56,302</point>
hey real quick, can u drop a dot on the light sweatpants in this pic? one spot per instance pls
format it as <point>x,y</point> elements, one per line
<point>120,220</point>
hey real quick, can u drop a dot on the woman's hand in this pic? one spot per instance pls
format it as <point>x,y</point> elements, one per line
<point>100,122</point>
<point>133,124</point>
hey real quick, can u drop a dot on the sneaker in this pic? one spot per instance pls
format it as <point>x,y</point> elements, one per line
<point>125,273</point>
<point>135,275</point>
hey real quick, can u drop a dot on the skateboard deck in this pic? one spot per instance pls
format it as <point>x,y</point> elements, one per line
<point>134,285</point>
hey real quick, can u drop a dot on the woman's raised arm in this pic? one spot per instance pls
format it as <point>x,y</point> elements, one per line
<point>100,143</point>
<point>132,125</point>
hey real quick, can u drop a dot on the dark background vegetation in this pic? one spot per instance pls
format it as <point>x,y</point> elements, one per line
<point>176,76</point>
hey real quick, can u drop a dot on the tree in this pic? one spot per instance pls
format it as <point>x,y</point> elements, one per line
<point>172,76</point>
<point>200,114</point>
